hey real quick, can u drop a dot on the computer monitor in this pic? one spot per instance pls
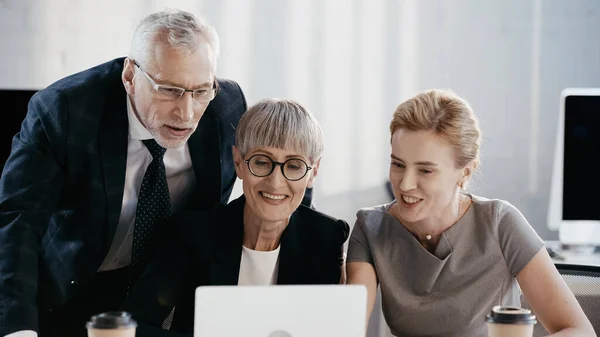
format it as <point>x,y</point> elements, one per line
<point>280,311</point>
<point>575,191</point>
<point>13,103</point>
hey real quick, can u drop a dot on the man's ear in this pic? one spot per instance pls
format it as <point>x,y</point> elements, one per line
<point>127,76</point>
<point>238,160</point>
<point>313,175</point>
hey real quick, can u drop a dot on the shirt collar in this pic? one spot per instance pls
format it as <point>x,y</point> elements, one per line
<point>136,128</point>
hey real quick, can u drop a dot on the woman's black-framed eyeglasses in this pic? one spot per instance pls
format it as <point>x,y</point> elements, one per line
<point>293,169</point>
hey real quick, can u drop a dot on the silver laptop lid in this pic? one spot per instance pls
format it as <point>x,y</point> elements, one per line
<point>280,311</point>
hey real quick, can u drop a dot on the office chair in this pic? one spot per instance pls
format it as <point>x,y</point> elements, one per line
<point>584,282</point>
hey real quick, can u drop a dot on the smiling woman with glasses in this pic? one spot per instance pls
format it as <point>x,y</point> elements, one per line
<point>265,237</point>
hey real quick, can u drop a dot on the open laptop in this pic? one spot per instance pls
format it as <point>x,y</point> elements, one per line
<point>280,311</point>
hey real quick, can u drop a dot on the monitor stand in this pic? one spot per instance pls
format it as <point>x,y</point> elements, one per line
<point>579,232</point>
<point>579,254</point>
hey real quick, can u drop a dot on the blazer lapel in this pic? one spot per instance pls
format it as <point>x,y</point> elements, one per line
<point>290,259</point>
<point>204,145</point>
<point>113,151</point>
<point>225,261</point>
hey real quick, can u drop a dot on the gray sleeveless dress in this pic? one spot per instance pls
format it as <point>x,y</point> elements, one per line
<point>448,293</point>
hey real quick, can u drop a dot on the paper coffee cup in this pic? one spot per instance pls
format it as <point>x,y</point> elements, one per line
<point>111,324</point>
<point>510,322</point>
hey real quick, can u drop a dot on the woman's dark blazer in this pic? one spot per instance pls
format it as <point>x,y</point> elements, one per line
<point>205,248</point>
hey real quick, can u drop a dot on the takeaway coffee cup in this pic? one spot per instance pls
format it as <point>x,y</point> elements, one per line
<point>510,322</point>
<point>111,324</point>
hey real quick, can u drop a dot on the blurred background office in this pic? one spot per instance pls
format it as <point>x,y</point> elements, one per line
<point>351,62</point>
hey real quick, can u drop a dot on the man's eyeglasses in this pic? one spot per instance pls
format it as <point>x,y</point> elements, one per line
<point>293,169</point>
<point>170,93</point>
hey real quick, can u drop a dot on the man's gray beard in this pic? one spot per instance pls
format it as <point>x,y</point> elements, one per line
<point>167,144</point>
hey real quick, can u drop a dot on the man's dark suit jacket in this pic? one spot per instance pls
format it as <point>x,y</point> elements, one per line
<point>62,186</point>
<point>205,248</point>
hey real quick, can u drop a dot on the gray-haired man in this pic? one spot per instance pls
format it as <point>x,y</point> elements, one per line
<point>103,158</point>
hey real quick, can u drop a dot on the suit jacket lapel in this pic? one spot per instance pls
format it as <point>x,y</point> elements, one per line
<point>290,259</point>
<point>204,145</point>
<point>224,268</point>
<point>225,261</point>
<point>113,151</point>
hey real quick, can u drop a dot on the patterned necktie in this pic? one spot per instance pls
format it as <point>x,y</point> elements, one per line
<point>154,203</point>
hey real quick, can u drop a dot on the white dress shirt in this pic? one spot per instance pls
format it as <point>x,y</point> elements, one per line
<point>258,268</point>
<point>180,178</point>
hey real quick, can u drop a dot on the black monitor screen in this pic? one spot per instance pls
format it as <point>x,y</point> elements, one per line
<point>13,104</point>
<point>581,178</point>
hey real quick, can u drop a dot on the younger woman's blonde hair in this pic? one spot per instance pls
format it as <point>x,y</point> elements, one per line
<point>446,114</point>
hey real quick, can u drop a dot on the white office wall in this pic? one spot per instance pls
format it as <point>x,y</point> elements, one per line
<point>351,62</point>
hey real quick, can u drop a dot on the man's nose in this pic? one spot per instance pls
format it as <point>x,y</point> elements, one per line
<point>185,107</point>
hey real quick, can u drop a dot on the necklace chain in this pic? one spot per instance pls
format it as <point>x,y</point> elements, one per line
<point>429,236</point>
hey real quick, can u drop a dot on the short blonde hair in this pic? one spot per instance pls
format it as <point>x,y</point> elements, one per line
<point>446,114</point>
<point>282,124</point>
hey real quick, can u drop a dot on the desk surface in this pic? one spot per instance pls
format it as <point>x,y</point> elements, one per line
<point>573,255</point>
